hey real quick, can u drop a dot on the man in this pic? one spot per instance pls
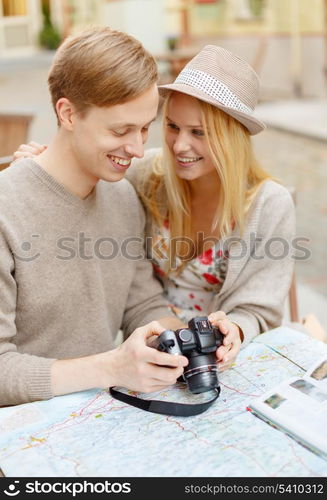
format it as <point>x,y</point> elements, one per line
<point>72,268</point>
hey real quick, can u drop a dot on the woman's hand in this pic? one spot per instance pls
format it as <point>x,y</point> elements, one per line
<point>29,150</point>
<point>226,353</point>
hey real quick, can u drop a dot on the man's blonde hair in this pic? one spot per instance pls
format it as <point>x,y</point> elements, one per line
<point>239,176</point>
<point>100,67</point>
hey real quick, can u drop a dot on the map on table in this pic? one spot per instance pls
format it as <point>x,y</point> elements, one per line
<point>90,434</point>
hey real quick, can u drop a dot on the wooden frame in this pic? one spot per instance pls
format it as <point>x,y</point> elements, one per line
<point>5,161</point>
<point>292,294</point>
<point>14,130</point>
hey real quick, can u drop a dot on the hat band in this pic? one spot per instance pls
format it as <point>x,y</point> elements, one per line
<point>212,87</point>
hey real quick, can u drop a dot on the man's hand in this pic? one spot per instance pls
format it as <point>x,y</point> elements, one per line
<point>226,353</point>
<point>133,365</point>
<point>138,367</point>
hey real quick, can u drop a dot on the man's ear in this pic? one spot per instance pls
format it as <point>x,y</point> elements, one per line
<point>65,112</point>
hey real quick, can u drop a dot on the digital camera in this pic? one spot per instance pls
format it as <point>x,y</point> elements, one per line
<point>198,343</point>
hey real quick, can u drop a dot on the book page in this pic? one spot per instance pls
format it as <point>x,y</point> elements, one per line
<point>299,406</point>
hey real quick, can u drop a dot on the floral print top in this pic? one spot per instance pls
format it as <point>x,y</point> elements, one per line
<point>191,291</point>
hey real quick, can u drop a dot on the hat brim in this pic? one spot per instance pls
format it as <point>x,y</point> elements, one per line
<point>253,125</point>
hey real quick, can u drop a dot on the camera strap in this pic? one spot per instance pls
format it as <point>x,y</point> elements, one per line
<point>165,407</point>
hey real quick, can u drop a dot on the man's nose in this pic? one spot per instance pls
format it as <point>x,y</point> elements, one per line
<point>136,147</point>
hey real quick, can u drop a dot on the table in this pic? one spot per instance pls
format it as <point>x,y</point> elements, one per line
<point>90,434</point>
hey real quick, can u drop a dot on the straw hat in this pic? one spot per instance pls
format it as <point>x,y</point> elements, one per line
<point>222,79</point>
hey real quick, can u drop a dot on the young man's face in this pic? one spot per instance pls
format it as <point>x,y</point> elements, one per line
<point>106,139</point>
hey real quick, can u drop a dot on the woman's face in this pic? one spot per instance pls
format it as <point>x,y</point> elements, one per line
<point>185,137</point>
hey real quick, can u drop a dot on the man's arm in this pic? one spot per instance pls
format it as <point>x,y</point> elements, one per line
<point>25,377</point>
<point>133,365</point>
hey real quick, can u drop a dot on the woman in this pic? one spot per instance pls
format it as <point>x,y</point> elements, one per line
<point>218,225</point>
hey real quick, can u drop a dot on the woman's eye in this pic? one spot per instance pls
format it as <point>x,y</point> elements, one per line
<point>199,133</point>
<point>172,126</point>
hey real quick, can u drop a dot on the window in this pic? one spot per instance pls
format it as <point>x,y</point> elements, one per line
<point>14,8</point>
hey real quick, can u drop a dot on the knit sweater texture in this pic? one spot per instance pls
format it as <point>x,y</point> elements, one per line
<point>72,273</point>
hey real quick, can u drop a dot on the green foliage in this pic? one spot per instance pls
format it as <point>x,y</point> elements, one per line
<point>257,7</point>
<point>172,42</point>
<point>49,36</point>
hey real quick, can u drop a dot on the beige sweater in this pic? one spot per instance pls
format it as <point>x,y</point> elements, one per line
<point>72,274</point>
<point>259,268</point>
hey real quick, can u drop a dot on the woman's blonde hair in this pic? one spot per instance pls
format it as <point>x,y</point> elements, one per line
<point>239,173</point>
<point>100,67</point>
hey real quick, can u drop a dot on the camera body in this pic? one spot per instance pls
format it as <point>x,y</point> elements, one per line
<point>198,343</point>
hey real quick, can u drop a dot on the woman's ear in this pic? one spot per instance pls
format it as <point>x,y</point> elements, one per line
<point>65,111</point>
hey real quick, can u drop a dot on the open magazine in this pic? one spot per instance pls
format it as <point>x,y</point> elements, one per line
<point>298,407</point>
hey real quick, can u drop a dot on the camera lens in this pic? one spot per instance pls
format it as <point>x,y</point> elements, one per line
<point>201,374</point>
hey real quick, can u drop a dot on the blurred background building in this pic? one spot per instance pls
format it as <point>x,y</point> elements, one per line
<point>284,40</point>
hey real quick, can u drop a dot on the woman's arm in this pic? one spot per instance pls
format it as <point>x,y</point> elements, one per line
<point>255,296</point>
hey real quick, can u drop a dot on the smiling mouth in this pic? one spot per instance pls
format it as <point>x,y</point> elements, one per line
<point>188,160</point>
<point>121,163</point>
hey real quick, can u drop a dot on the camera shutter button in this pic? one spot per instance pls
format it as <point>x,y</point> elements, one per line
<point>185,335</point>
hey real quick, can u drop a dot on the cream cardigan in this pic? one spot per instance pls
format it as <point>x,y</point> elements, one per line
<point>260,262</point>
